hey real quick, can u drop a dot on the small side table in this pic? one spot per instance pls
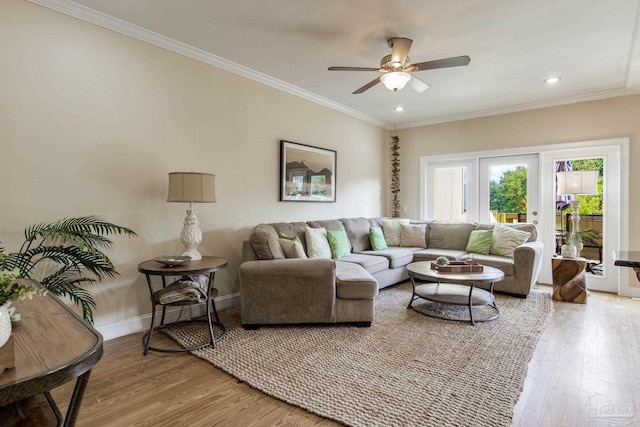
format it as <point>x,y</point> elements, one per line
<point>207,264</point>
<point>569,280</point>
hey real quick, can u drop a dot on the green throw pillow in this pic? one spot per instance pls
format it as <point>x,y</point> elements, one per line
<point>339,243</point>
<point>376,237</point>
<point>480,241</point>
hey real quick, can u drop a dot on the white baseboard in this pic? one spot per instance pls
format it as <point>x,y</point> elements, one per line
<point>141,323</point>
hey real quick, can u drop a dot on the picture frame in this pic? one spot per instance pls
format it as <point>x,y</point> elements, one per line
<point>307,173</point>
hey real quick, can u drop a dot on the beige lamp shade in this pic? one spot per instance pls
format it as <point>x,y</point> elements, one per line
<point>577,182</point>
<point>192,187</point>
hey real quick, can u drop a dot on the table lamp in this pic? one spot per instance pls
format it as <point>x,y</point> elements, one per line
<point>574,183</point>
<point>191,187</point>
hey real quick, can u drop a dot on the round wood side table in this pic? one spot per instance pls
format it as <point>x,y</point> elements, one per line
<point>207,265</point>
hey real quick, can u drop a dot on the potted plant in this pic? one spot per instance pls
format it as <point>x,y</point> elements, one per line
<point>10,290</point>
<point>569,249</point>
<point>442,260</point>
<point>58,254</point>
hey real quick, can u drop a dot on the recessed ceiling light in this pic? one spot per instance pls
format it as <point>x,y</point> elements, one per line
<point>399,108</point>
<point>552,80</point>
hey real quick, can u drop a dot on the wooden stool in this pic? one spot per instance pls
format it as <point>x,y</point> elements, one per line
<point>569,281</point>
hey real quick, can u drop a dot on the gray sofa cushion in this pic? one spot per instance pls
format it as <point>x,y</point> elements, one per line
<point>450,235</point>
<point>373,264</point>
<point>503,263</point>
<point>432,254</point>
<point>358,233</point>
<point>377,221</point>
<point>264,241</point>
<point>398,257</point>
<point>353,282</point>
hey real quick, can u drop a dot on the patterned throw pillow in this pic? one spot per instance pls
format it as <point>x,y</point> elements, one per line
<point>413,235</point>
<point>338,242</point>
<point>317,244</point>
<point>376,236</point>
<point>480,242</point>
<point>506,240</point>
<point>391,230</point>
<point>291,246</point>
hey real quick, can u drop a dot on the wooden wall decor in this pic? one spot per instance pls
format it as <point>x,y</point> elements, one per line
<point>395,176</point>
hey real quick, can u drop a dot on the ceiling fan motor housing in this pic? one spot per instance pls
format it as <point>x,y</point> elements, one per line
<point>387,65</point>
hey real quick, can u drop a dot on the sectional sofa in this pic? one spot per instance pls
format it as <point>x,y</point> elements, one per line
<point>275,289</point>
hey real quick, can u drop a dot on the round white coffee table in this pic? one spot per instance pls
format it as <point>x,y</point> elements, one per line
<point>453,288</point>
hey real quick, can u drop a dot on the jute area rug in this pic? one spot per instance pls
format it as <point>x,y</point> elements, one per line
<point>405,370</point>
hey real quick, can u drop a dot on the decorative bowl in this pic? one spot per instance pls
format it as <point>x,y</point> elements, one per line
<point>172,260</point>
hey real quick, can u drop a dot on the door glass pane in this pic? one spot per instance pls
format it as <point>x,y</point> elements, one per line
<point>451,194</point>
<point>586,229</point>
<point>508,193</point>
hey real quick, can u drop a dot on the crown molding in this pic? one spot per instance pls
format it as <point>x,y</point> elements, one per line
<point>595,96</point>
<point>84,13</point>
<point>106,21</point>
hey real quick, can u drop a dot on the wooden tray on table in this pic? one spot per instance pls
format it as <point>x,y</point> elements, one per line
<point>457,267</point>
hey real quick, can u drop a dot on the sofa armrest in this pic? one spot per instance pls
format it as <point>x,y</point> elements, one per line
<point>527,259</point>
<point>248,253</point>
<point>287,291</point>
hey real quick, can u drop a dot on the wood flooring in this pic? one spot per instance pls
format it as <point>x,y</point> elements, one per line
<point>585,372</point>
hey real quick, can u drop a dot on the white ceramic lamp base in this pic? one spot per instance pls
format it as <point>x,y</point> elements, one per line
<point>191,236</point>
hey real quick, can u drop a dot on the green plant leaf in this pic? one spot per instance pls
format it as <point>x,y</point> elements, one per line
<point>59,253</point>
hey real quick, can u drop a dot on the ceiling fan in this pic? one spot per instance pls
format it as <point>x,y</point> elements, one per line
<point>395,68</point>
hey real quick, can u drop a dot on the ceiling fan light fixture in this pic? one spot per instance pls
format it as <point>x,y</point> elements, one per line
<point>395,80</point>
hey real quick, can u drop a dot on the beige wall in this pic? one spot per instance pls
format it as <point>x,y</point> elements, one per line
<point>92,121</point>
<point>610,118</point>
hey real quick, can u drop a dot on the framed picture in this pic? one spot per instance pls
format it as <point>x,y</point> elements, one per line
<point>307,174</point>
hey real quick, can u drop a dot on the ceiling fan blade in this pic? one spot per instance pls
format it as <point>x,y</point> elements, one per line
<point>418,85</point>
<point>457,61</point>
<point>353,69</point>
<point>368,86</point>
<point>399,50</point>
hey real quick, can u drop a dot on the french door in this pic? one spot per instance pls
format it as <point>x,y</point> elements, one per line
<point>508,189</point>
<point>459,187</point>
<point>488,189</point>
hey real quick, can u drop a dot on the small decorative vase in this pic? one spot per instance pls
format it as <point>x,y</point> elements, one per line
<point>579,245</point>
<point>568,251</point>
<point>5,324</point>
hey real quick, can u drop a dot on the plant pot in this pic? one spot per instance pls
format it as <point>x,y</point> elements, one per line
<point>5,324</point>
<point>7,349</point>
<point>568,251</point>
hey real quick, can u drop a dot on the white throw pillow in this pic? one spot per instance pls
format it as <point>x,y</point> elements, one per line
<point>413,235</point>
<point>317,243</point>
<point>391,230</point>
<point>506,239</point>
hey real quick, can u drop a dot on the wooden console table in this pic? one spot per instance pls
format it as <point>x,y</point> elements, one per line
<point>53,346</point>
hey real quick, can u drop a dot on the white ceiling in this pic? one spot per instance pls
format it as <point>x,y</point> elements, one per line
<point>514,45</point>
